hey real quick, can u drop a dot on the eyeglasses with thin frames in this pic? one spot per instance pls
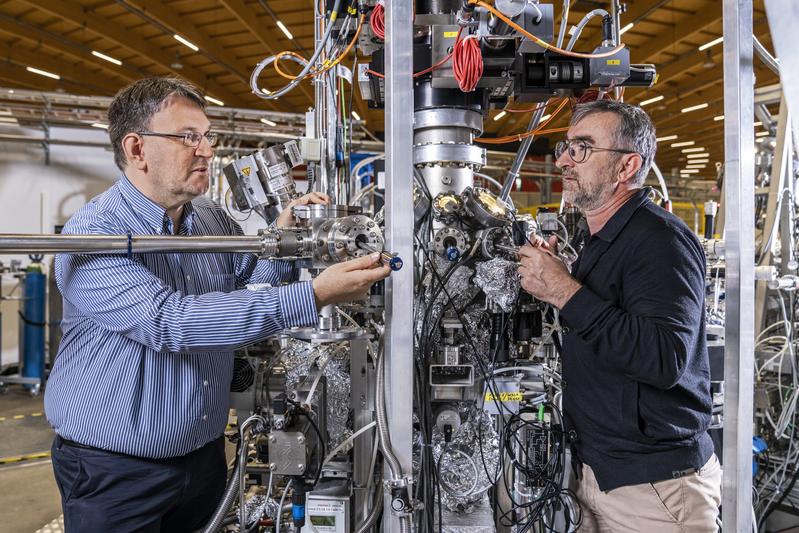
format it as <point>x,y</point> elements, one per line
<point>192,139</point>
<point>580,150</point>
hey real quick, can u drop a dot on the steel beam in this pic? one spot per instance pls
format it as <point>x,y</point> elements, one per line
<point>740,256</point>
<point>399,236</point>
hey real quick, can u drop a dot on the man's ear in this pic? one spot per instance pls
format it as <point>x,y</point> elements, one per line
<point>133,147</point>
<point>631,164</point>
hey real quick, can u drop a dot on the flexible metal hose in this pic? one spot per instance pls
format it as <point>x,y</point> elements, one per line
<point>370,519</point>
<point>382,418</point>
<point>231,491</point>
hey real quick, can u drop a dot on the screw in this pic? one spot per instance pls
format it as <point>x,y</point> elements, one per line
<point>272,438</point>
<point>446,180</point>
<point>301,466</point>
<point>300,439</point>
<point>272,466</point>
<point>339,245</point>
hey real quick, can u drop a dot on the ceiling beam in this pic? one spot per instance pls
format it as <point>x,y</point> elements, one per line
<point>63,45</point>
<point>73,12</point>
<point>172,22</point>
<point>684,29</point>
<point>267,38</point>
<point>17,76</point>
<point>636,12</point>
<point>84,77</point>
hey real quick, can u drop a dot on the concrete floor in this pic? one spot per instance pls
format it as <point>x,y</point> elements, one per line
<point>29,496</point>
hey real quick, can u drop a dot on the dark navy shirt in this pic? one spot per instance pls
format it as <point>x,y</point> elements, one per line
<point>635,366</point>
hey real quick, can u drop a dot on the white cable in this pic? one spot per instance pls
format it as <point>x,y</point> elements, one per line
<point>348,441</point>
<point>316,380</point>
<point>580,25</point>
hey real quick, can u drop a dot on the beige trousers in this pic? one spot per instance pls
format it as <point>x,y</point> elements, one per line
<point>686,504</point>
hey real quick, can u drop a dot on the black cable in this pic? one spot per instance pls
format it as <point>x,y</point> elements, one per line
<point>318,434</point>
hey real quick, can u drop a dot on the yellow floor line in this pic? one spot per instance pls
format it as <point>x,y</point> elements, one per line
<point>26,457</point>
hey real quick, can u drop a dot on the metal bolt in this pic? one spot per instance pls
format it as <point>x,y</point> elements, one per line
<point>272,466</point>
<point>301,466</point>
<point>300,439</point>
<point>446,180</point>
<point>272,438</point>
<point>339,245</point>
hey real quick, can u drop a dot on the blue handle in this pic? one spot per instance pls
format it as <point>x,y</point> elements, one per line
<point>452,254</point>
<point>395,263</point>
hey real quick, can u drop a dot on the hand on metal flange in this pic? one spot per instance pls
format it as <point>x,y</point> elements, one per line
<point>544,275</point>
<point>286,220</point>
<point>350,280</point>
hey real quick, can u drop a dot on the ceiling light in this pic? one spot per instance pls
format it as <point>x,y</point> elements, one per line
<point>214,100</point>
<point>544,118</point>
<point>714,42</point>
<point>356,116</point>
<point>666,138</point>
<point>625,29</point>
<point>110,59</point>
<point>698,161</point>
<point>686,143</point>
<point>758,123</point>
<point>718,117</point>
<point>500,115</point>
<point>186,42</point>
<point>268,122</point>
<point>11,91</point>
<point>703,165</point>
<point>694,108</point>
<point>100,125</point>
<point>652,100</point>
<point>697,156</point>
<point>689,150</point>
<point>689,171</point>
<point>43,73</point>
<point>762,134</point>
<point>8,120</point>
<point>284,29</point>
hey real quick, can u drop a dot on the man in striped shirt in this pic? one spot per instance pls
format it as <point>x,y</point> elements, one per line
<point>138,395</point>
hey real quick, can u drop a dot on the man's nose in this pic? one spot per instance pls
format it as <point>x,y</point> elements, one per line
<point>204,149</point>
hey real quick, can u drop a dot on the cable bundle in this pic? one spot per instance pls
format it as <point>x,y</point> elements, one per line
<point>377,20</point>
<point>467,62</point>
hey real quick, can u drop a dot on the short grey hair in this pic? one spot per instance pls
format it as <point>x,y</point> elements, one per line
<point>133,107</point>
<point>634,130</point>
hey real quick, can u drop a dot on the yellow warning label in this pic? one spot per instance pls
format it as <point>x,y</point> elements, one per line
<point>246,171</point>
<point>614,62</point>
<point>505,397</point>
<point>450,34</point>
<point>351,10</point>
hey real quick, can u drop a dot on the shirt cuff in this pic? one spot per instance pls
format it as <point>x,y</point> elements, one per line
<point>298,304</point>
<point>582,309</point>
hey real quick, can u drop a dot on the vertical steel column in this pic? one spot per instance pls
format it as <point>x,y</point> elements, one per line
<point>399,235</point>
<point>740,256</point>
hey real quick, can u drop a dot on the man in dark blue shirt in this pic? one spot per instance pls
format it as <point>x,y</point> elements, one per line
<point>636,378</point>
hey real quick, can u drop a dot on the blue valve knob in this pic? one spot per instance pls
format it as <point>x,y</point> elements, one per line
<point>395,263</point>
<point>452,254</point>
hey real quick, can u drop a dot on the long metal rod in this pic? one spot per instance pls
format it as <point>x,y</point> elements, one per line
<point>513,173</point>
<point>118,244</point>
<point>399,233</point>
<point>740,257</point>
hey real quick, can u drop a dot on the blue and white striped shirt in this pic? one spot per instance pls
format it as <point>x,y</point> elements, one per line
<point>146,359</point>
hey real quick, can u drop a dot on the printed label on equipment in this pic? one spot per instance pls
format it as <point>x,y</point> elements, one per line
<point>246,171</point>
<point>279,176</point>
<point>614,62</point>
<point>450,34</point>
<point>505,397</point>
<point>293,151</point>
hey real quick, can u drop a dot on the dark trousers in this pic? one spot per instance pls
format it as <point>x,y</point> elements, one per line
<point>109,492</point>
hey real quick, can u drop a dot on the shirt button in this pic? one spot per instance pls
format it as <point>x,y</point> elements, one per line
<point>205,383</point>
<point>205,417</point>
<point>188,278</point>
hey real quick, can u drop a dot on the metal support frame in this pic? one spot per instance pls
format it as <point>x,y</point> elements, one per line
<point>740,257</point>
<point>399,236</point>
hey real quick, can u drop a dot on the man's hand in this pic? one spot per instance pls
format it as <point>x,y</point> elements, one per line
<point>348,281</point>
<point>285,219</point>
<point>544,275</point>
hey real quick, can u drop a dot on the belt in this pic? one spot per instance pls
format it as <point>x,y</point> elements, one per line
<point>73,444</point>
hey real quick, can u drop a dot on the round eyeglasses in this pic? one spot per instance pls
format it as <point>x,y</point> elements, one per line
<point>579,150</point>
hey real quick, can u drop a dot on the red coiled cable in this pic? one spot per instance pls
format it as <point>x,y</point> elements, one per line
<point>377,20</point>
<point>467,63</point>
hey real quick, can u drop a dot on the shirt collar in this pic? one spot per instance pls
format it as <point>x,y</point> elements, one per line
<point>151,213</point>
<point>613,227</point>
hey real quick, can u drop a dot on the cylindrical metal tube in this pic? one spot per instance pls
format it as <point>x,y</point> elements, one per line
<point>119,244</point>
